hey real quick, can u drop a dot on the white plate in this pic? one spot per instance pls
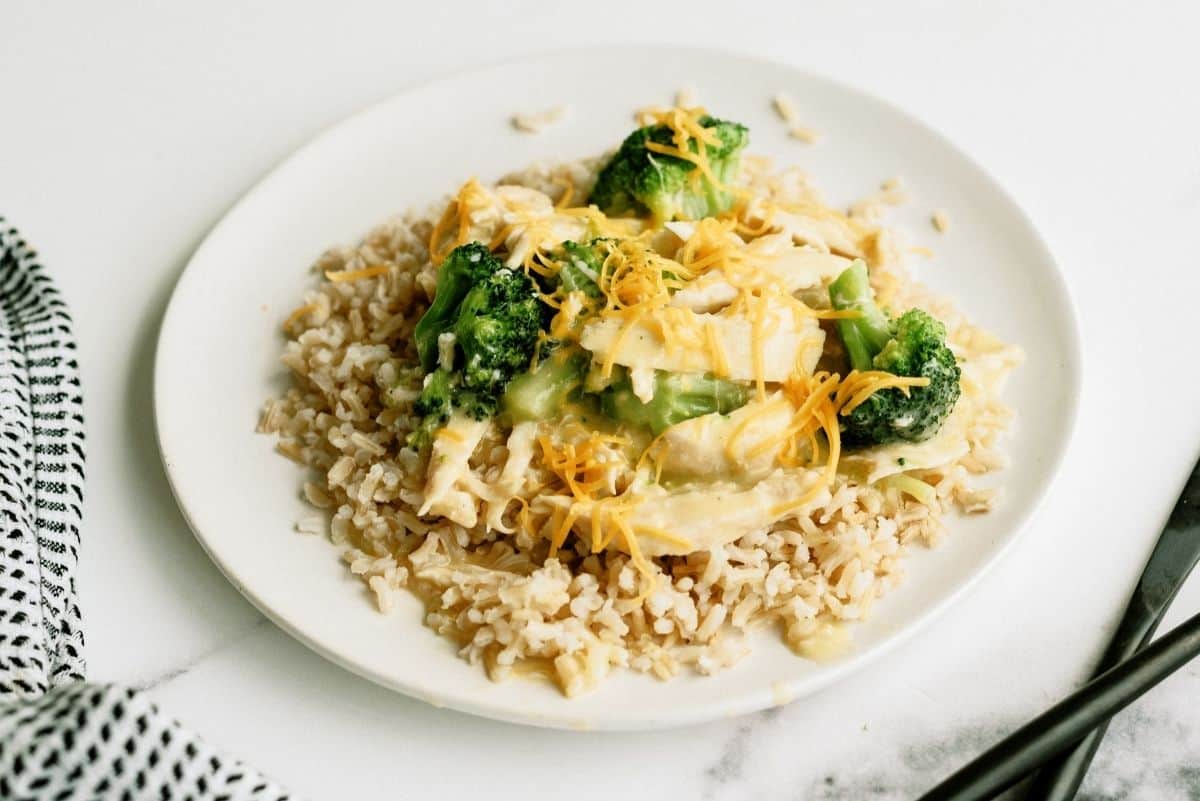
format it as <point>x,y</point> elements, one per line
<point>218,353</point>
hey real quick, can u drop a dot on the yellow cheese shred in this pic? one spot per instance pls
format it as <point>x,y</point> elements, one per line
<point>609,360</point>
<point>665,536</point>
<point>355,275</point>
<point>576,465</point>
<point>757,318</point>
<point>568,194</point>
<point>450,434</point>
<point>857,387</point>
<point>562,530</point>
<point>717,355</point>
<point>786,507</point>
<point>297,314</point>
<point>744,423</point>
<point>457,210</point>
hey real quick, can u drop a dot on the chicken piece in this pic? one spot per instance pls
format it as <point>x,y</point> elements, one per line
<point>788,343</point>
<point>736,446</point>
<point>449,470</point>
<point>641,380</point>
<point>526,216</point>
<point>540,233</point>
<point>709,293</point>
<point>796,267</point>
<point>827,232</point>
<point>771,259</point>
<point>512,478</point>
<point>684,521</point>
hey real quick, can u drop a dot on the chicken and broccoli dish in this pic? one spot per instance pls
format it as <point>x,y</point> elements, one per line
<point>622,411</point>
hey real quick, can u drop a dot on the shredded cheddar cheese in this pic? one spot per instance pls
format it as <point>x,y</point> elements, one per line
<point>568,194</point>
<point>569,309</point>
<point>356,275</point>
<point>787,507</point>
<point>458,211</point>
<point>717,351</point>
<point>665,536</point>
<point>690,139</point>
<point>449,433</point>
<point>297,314</point>
<point>758,314</point>
<point>609,360</point>
<point>857,387</point>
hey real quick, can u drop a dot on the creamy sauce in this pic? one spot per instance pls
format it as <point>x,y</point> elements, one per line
<point>829,641</point>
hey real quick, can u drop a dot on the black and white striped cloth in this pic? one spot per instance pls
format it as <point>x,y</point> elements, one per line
<point>60,737</point>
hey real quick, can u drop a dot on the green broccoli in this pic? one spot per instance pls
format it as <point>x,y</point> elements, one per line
<point>914,344</point>
<point>433,406</point>
<point>497,329</point>
<point>579,267</point>
<point>466,266</point>
<point>442,394</point>
<point>494,315</point>
<point>677,397</point>
<point>541,393</point>
<point>639,181</point>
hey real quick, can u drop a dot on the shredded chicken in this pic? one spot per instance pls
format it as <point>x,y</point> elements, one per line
<point>449,468</point>
<point>512,477</point>
<point>736,446</point>
<point>527,217</point>
<point>684,521</point>
<point>827,233</point>
<point>776,259</point>
<point>787,343</point>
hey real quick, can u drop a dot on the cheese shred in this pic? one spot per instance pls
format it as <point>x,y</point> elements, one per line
<point>355,275</point>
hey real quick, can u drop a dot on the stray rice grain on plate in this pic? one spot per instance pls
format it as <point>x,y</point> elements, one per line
<point>537,122</point>
<point>785,107</point>
<point>687,97</point>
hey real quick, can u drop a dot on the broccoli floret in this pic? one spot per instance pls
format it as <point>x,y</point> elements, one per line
<point>494,315</point>
<point>541,393</point>
<point>677,397</point>
<point>914,345</point>
<point>579,267</point>
<point>443,393</point>
<point>466,266</point>
<point>641,182</point>
<point>496,330</point>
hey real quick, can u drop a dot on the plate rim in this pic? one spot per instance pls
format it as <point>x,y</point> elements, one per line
<point>755,698</point>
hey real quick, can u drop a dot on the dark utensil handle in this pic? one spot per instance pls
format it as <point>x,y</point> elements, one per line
<point>1065,723</point>
<point>1169,565</point>
<point>1061,777</point>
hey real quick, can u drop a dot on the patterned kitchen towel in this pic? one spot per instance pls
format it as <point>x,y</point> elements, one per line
<point>60,737</point>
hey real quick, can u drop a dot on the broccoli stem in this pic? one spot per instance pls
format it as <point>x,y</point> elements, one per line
<point>541,393</point>
<point>581,263</point>
<point>434,406</point>
<point>677,397</point>
<point>864,336</point>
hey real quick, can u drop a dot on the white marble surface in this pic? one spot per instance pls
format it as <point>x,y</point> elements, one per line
<point>127,129</point>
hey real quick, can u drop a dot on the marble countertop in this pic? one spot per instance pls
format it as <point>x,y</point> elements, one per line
<point>128,130</point>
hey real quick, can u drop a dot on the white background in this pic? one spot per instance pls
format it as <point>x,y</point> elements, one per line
<point>127,129</point>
